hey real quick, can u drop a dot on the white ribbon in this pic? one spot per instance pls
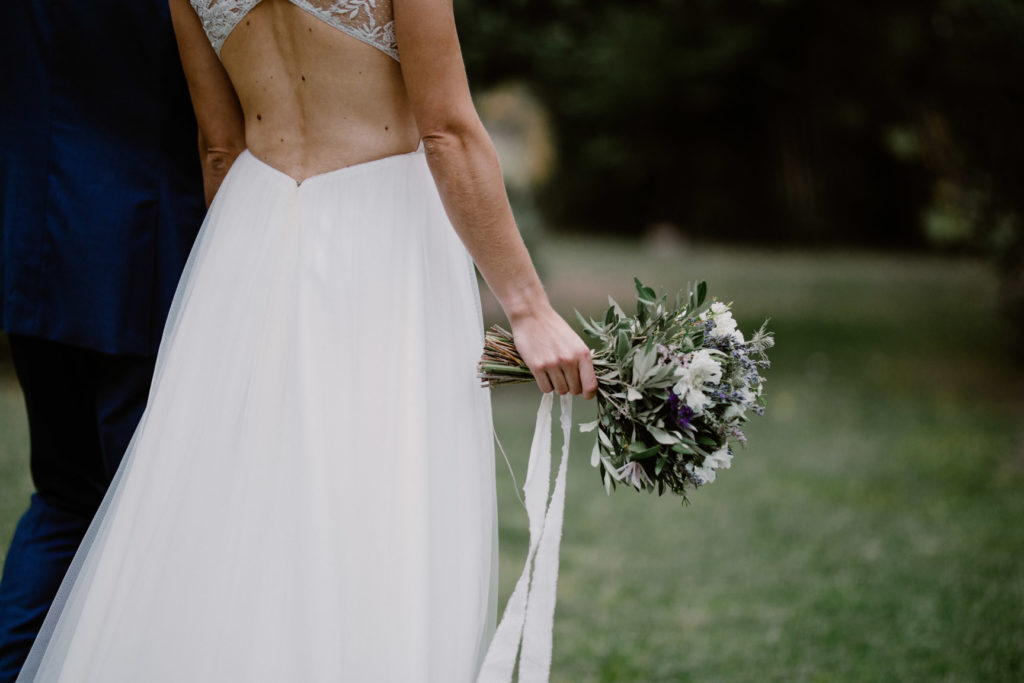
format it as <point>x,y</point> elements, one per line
<point>530,613</point>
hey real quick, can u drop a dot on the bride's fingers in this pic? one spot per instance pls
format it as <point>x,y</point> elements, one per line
<point>543,383</point>
<point>572,378</point>
<point>558,380</point>
<point>587,377</point>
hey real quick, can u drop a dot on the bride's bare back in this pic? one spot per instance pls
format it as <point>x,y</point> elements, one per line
<point>306,97</point>
<point>314,98</point>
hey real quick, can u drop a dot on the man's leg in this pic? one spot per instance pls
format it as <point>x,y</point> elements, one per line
<point>44,543</point>
<point>78,419</point>
<point>68,472</point>
<point>122,388</point>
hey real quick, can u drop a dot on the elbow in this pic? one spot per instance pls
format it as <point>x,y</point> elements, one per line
<point>225,146</point>
<point>219,154</point>
<point>231,140</point>
<point>218,161</point>
<point>454,134</point>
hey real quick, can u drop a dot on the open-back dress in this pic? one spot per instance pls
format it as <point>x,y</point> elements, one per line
<point>310,493</point>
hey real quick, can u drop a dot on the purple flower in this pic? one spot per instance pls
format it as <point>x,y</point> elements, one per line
<point>681,413</point>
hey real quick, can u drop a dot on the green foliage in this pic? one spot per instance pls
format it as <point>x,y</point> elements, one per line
<point>769,120</point>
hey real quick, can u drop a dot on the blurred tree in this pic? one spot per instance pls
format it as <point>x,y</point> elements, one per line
<point>882,122</point>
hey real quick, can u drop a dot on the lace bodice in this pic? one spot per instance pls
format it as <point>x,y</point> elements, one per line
<point>370,21</point>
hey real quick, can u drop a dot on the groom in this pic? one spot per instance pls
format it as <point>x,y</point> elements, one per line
<point>100,199</point>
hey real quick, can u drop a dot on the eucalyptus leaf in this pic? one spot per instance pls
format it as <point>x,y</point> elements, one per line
<point>623,345</point>
<point>640,367</point>
<point>645,293</point>
<point>584,323</point>
<point>611,469</point>
<point>609,316</point>
<point>615,307</point>
<point>661,436</point>
<point>646,453</point>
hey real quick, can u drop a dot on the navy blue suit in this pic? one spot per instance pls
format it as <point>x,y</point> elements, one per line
<point>100,200</point>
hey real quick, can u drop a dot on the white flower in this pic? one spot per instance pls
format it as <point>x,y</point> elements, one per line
<point>720,459</point>
<point>725,324</point>
<point>702,473</point>
<point>739,409</point>
<point>701,370</point>
<point>695,399</point>
<point>734,412</point>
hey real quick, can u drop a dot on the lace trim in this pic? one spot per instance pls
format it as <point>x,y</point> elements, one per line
<point>370,21</point>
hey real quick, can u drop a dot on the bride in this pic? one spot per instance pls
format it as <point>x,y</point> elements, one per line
<point>310,493</point>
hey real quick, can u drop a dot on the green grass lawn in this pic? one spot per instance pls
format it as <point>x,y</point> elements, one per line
<point>871,532</point>
<point>15,483</point>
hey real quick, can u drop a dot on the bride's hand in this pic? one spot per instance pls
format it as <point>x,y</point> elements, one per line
<point>555,354</point>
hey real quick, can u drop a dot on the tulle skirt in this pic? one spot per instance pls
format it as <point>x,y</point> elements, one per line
<point>310,494</point>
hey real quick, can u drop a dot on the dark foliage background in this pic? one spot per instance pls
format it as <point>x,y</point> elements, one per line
<point>892,123</point>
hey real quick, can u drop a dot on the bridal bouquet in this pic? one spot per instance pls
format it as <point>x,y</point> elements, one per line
<point>675,385</point>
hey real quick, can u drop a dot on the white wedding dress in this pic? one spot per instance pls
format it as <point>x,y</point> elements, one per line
<point>309,496</point>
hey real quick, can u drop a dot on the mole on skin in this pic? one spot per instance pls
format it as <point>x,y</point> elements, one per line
<point>259,117</point>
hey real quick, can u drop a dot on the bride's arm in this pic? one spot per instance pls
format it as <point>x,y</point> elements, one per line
<point>218,113</point>
<point>465,167</point>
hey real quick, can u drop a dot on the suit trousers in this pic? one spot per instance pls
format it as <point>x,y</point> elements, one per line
<point>83,407</point>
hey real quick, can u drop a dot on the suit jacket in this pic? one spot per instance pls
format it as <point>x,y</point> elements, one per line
<point>100,185</point>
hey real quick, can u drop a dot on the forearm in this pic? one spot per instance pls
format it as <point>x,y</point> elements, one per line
<point>218,112</point>
<point>465,168</point>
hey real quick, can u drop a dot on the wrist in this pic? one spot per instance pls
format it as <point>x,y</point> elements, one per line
<point>525,302</point>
